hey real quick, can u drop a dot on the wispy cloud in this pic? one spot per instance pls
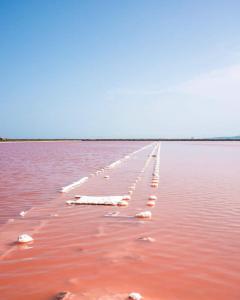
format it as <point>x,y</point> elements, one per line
<point>134,92</point>
<point>219,85</point>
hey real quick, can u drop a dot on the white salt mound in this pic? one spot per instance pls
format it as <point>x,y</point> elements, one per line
<point>63,296</point>
<point>144,214</point>
<point>147,239</point>
<point>99,200</point>
<point>152,197</point>
<point>24,238</point>
<point>22,213</point>
<point>135,296</point>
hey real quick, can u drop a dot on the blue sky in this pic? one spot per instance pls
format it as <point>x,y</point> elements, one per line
<point>119,69</point>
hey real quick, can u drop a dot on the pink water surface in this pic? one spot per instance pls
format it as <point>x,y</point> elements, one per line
<point>32,173</point>
<point>195,223</point>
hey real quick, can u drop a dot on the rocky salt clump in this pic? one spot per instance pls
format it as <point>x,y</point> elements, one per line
<point>63,296</point>
<point>135,296</point>
<point>24,238</point>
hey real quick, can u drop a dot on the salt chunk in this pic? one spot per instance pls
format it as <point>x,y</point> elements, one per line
<point>151,203</point>
<point>135,296</point>
<point>152,197</point>
<point>147,239</point>
<point>144,214</point>
<point>22,213</point>
<point>123,203</point>
<point>69,202</point>
<point>24,238</point>
<point>63,296</point>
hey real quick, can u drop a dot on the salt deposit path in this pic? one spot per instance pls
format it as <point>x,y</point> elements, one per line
<point>188,250</point>
<point>71,243</point>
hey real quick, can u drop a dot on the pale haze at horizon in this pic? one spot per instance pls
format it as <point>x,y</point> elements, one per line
<point>119,69</point>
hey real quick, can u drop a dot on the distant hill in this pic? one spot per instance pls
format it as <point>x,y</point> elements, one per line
<point>223,138</point>
<point>236,137</point>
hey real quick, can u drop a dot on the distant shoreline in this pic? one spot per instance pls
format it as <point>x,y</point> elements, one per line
<point>131,140</point>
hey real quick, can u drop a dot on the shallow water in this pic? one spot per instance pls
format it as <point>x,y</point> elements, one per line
<point>32,173</point>
<point>195,224</point>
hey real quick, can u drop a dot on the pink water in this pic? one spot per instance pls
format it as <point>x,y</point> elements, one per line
<point>195,224</point>
<point>32,173</point>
